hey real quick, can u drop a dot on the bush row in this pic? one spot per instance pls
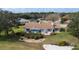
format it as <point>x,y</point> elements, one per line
<point>63,43</point>
<point>62,30</point>
<point>35,36</point>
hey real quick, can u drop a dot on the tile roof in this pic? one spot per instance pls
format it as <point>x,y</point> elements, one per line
<point>41,25</point>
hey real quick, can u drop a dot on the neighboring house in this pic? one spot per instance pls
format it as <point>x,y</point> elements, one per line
<point>57,26</point>
<point>65,24</point>
<point>52,17</point>
<point>22,20</point>
<point>45,28</point>
<point>66,17</point>
<point>66,21</point>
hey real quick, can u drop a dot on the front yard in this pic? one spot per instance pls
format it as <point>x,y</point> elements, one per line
<point>60,37</point>
<point>8,45</point>
<point>63,36</point>
<point>52,39</point>
<point>12,42</point>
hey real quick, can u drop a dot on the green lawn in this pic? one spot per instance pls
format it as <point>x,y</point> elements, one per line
<point>20,29</point>
<point>63,36</point>
<point>7,45</point>
<point>15,29</point>
<point>10,43</point>
<point>53,39</point>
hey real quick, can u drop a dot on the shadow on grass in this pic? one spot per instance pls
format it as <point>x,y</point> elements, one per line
<point>10,37</point>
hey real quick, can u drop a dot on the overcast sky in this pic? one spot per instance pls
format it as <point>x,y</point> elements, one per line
<point>21,10</point>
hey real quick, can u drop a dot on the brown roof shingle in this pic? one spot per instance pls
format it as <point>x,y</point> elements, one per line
<point>40,25</point>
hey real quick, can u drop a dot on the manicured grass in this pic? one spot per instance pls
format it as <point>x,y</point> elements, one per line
<point>11,42</point>
<point>15,29</point>
<point>20,29</point>
<point>63,36</point>
<point>7,45</point>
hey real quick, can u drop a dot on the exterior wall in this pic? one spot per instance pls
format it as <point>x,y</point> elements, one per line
<point>46,32</point>
<point>33,30</point>
<point>26,31</point>
<point>57,30</point>
<point>42,31</point>
<point>63,25</point>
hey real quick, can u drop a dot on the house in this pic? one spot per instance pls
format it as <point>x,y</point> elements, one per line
<point>51,24</point>
<point>56,19</point>
<point>66,17</point>
<point>45,28</point>
<point>66,22</point>
<point>22,20</point>
<point>57,26</point>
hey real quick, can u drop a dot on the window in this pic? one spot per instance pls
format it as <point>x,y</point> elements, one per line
<point>27,29</point>
<point>49,29</point>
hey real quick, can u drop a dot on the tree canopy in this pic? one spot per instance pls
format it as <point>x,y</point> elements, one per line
<point>74,26</point>
<point>7,21</point>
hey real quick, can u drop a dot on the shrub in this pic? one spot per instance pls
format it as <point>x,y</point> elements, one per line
<point>20,33</point>
<point>36,38</point>
<point>75,48</point>
<point>63,43</point>
<point>53,33</point>
<point>62,30</point>
<point>34,35</point>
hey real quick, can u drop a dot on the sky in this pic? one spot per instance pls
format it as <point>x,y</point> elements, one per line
<point>22,10</point>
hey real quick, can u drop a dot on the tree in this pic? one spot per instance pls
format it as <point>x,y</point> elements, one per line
<point>25,16</point>
<point>62,20</point>
<point>74,26</point>
<point>7,21</point>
